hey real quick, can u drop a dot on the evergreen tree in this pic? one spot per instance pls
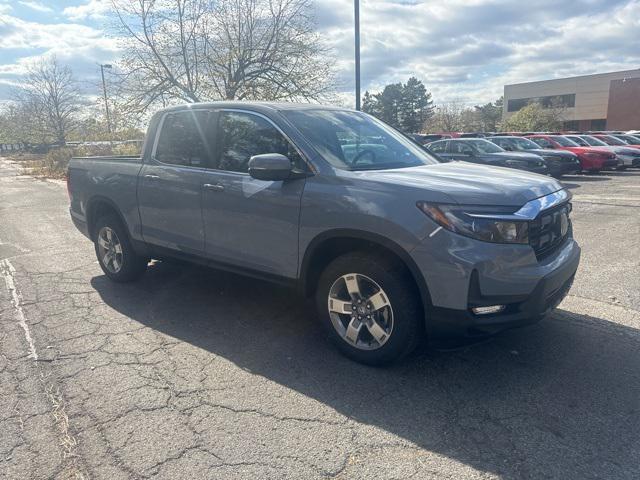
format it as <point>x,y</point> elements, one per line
<point>405,107</point>
<point>489,115</point>
<point>416,107</point>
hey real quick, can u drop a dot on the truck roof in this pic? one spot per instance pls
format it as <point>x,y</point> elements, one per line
<point>256,106</point>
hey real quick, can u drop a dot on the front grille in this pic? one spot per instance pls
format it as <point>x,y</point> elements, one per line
<point>549,230</point>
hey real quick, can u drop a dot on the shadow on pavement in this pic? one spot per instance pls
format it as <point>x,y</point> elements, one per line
<point>560,399</point>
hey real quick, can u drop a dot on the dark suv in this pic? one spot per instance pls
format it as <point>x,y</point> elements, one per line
<point>479,150</point>
<point>559,162</point>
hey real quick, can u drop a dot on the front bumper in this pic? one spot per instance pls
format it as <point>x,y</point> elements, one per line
<point>611,164</point>
<point>520,310</point>
<point>560,167</point>
<point>468,273</point>
<point>598,163</point>
<point>629,161</point>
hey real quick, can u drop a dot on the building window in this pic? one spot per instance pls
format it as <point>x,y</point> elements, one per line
<point>517,104</point>
<point>568,101</point>
<point>599,124</point>
<point>571,125</point>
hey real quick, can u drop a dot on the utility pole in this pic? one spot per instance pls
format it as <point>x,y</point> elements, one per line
<point>356,8</point>
<point>104,91</point>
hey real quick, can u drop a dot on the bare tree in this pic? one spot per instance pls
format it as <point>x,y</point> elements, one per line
<point>162,41</point>
<point>449,117</point>
<point>196,50</point>
<point>50,97</point>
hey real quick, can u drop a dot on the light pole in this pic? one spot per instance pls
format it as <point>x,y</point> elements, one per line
<point>104,91</point>
<point>356,8</point>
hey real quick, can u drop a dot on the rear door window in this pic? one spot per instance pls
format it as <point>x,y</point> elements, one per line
<point>185,139</point>
<point>243,135</point>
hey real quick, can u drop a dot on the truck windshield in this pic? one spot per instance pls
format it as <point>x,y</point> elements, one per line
<point>356,141</point>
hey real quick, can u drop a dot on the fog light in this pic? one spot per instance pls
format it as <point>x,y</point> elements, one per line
<point>487,310</point>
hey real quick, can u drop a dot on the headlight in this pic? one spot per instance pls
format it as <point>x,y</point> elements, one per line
<point>463,220</point>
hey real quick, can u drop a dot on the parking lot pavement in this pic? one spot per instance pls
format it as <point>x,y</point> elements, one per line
<point>193,373</point>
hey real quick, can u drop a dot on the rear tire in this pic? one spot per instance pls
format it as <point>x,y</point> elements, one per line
<point>116,255</point>
<point>386,324</point>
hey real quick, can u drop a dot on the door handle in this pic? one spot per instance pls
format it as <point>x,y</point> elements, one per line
<point>152,177</point>
<point>216,187</point>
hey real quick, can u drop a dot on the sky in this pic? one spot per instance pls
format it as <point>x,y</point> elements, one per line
<point>463,50</point>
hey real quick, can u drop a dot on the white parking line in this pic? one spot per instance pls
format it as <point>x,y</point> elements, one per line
<point>8,273</point>
<point>624,198</point>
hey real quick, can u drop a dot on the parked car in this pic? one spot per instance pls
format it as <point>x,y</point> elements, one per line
<point>633,140</point>
<point>474,135</point>
<point>479,150</point>
<point>627,157</point>
<point>391,242</point>
<point>613,141</point>
<point>424,138</point>
<point>591,159</point>
<point>559,162</point>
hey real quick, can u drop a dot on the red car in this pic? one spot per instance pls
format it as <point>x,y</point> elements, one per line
<point>613,140</point>
<point>592,159</point>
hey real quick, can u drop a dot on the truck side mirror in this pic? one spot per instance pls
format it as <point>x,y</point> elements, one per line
<point>270,166</point>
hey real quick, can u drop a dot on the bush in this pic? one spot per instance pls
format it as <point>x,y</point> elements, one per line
<point>126,149</point>
<point>54,164</point>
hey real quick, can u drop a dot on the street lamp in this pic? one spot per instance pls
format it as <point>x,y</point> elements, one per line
<point>104,91</point>
<point>356,8</point>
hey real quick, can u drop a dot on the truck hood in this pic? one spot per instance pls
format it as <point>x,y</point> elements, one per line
<point>468,183</point>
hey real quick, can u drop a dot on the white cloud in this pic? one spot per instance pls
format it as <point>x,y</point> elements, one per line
<point>78,46</point>
<point>94,9</point>
<point>467,50</point>
<point>462,49</point>
<point>37,6</point>
<point>59,38</point>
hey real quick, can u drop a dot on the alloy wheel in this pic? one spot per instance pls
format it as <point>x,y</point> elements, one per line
<point>360,311</point>
<point>110,249</point>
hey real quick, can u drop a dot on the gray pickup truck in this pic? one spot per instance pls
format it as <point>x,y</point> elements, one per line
<point>392,242</point>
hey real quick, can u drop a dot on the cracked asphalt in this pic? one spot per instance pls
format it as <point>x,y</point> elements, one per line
<point>193,373</point>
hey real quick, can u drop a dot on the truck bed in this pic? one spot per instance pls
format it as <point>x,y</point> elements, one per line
<point>113,178</point>
<point>110,158</point>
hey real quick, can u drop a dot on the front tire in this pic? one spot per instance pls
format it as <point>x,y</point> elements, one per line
<point>116,255</point>
<point>370,308</point>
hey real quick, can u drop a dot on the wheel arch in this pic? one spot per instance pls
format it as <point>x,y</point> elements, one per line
<point>329,245</point>
<point>99,206</point>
